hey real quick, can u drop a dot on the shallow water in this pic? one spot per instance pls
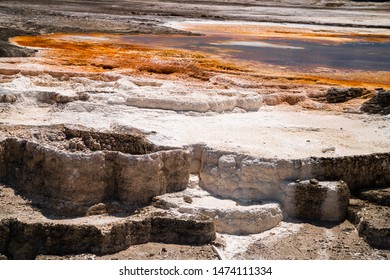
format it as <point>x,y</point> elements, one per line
<point>344,52</point>
<point>293,53</point>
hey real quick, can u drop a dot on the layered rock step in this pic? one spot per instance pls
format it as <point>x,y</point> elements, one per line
<point>77,169</point>
<point>230,216</point>
<point>372,221</point>
<point>25,232</point>
<point>240,176</point>
<point>95,188</point>
<point>83,191</point>
<point>370,212</point>
<point>377,196</point>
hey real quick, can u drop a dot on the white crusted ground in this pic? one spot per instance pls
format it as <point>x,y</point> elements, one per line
<point>282,131</point>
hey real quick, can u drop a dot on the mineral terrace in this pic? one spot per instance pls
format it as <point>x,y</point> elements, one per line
<point>194,129</point>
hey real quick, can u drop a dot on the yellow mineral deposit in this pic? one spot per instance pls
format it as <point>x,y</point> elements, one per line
<point>102,52</point>
<point>96,53</point>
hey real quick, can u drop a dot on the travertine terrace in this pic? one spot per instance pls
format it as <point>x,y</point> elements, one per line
<point>234,128</point>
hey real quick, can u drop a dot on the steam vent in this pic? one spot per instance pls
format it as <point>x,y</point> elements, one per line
<point>212,130</point>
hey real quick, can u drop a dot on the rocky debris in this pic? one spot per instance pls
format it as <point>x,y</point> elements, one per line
<point>378,196</point>
<point>187,199</point>
<point>97,209</point>
<point>246,177</point>
<point>10,50</point>
<point>231,217</point>
<point>372,221</point>
<point>81,257</point>
<point>276,99</point>
<point>297,240</point>
<point>379,104</point>
<point>311,199</point>
<point>8,96</point>
<point>338,95</point>
<point>63,97</point>
<point>77,144</point>
<point>85,179</point>
<point>329,149</point>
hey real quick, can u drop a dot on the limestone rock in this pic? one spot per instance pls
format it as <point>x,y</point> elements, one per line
<point>372,221</point>
<point>325,201</point>
<point>250,102</point>
<point>26,239</point>
<point>257,178</point>
<point>4,235</point>
<point>227,161</point>
<point>124,84</point>
<point>196,157</point>
<point>195,230</point>
<point>7,96</point>
<point>9,50</point>
<point>338,95</point>
<point>229,216</point>
<point>378,196</point>
<point>187,199</point>
<point>129,142</point>
<point>176,166</point>
<point>219,103</point>
<point>276,99</point>
<point>97,209</point>
<point>379,104</point>
<point>89,178</point>
<point>237,176</point>
<point>246,220</point>
<point>56,97</point>
<point>166,172</point>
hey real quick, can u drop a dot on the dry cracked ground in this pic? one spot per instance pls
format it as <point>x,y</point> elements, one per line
<point>194,129</point>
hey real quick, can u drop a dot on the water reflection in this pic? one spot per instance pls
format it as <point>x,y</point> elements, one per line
<point>294,53</point>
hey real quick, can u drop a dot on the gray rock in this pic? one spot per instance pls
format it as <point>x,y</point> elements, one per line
<point>337,95</point>
<point>56,97</point>
<point>9,50</point>
<point>378,196</point>
<point>227,161</point>
<point>379,104</point>
<point>372,221</point>
<point>97,209</point>
<point>256,178</point>
<point>7,96</point>
<point>89,178</point>
<point>311,199</point>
